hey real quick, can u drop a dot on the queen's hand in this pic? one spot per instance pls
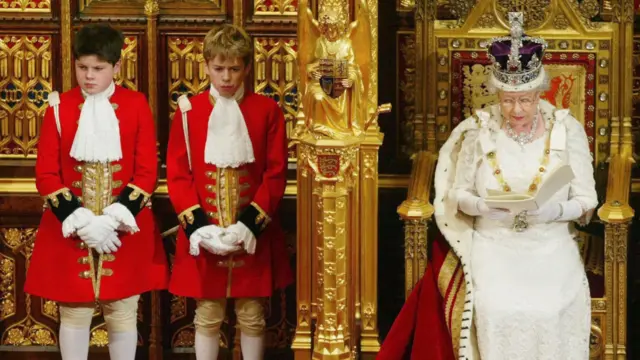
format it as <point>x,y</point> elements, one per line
<point>493,214</point>
<point>473,205</point>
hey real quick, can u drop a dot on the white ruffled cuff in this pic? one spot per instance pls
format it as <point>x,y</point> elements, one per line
<point>121,214</point>
<point>78,219</point>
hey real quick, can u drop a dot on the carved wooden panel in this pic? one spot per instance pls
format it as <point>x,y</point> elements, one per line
<point>128,76</point>
<point>635,120</point>
<point>406,89</point>
<point>33,321</point>
<point>275,74</point>
<point>25,81</point>
<point>275,8</point>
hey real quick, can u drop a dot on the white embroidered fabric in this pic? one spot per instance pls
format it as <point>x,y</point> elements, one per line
<point>532,298</point>
<point>98,136</point>
<point>228,143</point>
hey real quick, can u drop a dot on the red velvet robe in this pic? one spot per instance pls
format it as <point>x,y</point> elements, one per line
<point>60,268</point>
<point>421,330</point>
<point>261,183</point>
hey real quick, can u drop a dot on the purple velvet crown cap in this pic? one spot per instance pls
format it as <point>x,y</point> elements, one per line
<point>500,51</point>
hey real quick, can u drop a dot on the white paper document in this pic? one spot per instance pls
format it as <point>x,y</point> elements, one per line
<point>515,202</point>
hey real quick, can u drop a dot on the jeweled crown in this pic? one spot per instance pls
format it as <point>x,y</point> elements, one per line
<point>517,59</point>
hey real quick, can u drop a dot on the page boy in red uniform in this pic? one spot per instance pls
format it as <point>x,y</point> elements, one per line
<point>226,165</point>
<point>96,169</point>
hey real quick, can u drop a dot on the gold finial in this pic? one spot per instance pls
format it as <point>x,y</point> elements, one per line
<point>151,7</point>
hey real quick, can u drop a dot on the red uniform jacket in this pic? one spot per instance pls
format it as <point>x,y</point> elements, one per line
<point>62,269</point>
<point>251,193</point>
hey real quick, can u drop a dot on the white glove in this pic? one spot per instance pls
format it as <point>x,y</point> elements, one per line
<point>123,216</point>
<point>109,245</point>
<point>100,230</point>
<point>245,236</point>
<point>474,206</point>
<point>78,219</point>
<point>213,239</point>
<point>556,211</point>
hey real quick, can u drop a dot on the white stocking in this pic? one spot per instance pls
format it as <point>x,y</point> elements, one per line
<point>74,342</point>
<point>207,347</point>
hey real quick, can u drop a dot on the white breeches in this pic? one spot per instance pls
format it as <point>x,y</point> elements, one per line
<point>210,315</point>
<point>120,315</point>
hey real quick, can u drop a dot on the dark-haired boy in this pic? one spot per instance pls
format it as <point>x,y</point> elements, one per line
<point>96,169</point>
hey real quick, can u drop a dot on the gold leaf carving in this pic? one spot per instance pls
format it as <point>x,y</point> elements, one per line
<point>535,12</point>
<point>128,74</point>
<point>29,333</point>
<point>275,7</point>
<point>50,309</point>
<point>186,69</point>
<point>99,337</point>
<point>7,287</point>
<point>560,22</point>
<point>25,6</point>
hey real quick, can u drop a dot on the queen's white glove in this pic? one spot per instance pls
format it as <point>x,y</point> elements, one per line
<point>474,206</point>
<point>78,219</point>
<point>214,239</point>
<point>244,236</point>
<point>101,230</point>
<point>556,211</point>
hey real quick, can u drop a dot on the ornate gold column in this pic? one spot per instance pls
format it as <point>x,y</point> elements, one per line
<point>331,165</point>
<point>416,212</point>
<point>338,138</point>
<point>616,212</point>
<point>65,35</point>
<point>368,188</point>
<point>152,10</point>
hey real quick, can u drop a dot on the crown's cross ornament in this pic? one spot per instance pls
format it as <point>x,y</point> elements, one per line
<point>516,21</point>
<point>516,58</point>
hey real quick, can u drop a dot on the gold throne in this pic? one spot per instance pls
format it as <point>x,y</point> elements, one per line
<point>586,64</point>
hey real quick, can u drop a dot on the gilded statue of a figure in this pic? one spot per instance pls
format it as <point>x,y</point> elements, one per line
<point>334,77</point>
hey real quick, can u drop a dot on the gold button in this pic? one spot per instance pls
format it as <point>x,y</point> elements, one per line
<point>107,272</point>
<point>209,188</point>
<point>209,174</point>
<point>210,201</point>
<point>77,184</point>
<point>78,168</point>
<point>82,245</point>
<point>83,260</point>
<point>85,274</point>
<point>211,214</point>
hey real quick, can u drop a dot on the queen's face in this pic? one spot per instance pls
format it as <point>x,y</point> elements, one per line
<point>520,107</point>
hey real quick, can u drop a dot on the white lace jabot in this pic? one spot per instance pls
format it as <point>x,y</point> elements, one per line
<point>228,143</point>
<point>98,136</point>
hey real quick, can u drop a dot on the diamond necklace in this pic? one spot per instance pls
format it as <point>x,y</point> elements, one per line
<point>523,138</point>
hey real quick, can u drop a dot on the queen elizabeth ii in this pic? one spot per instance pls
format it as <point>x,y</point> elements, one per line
<point>527,295</point>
